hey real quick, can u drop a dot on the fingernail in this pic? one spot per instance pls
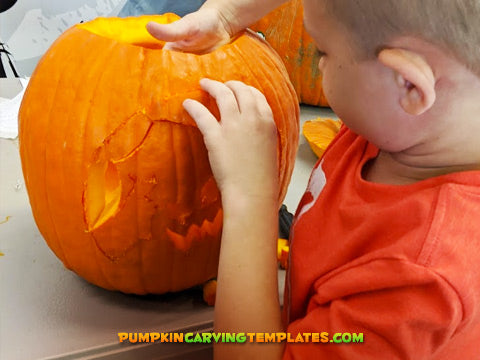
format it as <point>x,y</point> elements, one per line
<point>204,81</point>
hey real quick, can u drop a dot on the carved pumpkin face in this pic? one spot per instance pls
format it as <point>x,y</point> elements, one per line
<point>116,171</point>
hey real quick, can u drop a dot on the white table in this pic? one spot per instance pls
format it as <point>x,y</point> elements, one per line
<point>49,312</point>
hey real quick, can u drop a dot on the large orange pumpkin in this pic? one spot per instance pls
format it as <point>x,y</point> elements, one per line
<point>283,29</point>
<point>116,171</point>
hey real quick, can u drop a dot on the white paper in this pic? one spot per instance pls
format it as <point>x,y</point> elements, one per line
<point>9,113</point>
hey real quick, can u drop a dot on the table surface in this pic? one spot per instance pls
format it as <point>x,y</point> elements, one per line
<point>49,312</point>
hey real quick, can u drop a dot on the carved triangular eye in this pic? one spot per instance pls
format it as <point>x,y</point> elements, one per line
<point>102,197</point>
<point>102,194</point>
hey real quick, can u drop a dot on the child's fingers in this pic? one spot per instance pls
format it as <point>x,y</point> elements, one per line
<point>246,101</point>
<point>251,101</point>
<point>204,119</point>
<point>223,95</point>
<point>262,103</point>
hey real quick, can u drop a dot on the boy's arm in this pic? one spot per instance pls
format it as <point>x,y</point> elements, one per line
<point>212,25</point>
<point>247,290</point>
<point>242,150</point>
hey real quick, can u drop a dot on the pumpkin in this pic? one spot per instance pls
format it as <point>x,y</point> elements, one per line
<point>116,171</point>
<point>283,29</point>
<point>283,248</point>
<point>210,292</point>
<point>320,132</point>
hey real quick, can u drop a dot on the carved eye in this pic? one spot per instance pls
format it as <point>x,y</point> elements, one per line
<point>103,196</point>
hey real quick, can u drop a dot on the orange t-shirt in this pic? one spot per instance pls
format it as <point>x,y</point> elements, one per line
<point>400,264</point>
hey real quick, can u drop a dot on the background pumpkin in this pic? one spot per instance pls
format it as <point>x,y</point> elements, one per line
<point>320,132</point>
<point>283,29</point>
<point>116,171</point>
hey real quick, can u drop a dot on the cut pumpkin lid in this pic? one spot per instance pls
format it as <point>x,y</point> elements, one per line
<point>320,132</point>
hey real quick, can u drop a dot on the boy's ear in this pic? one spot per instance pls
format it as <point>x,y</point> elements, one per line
<point>413,76</point>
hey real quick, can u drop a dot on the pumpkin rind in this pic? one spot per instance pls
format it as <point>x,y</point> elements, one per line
<point>320,132</point>
<point>283,29</point>
<point>116,171</point>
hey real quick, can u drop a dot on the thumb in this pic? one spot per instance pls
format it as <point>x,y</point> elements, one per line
<point>176,31</point>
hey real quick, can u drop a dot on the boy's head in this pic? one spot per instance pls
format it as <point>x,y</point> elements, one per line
<point>452,25</point>
<point>392,66</point>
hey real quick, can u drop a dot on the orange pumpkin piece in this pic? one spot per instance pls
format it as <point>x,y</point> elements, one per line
<point>116,171</point>
<point>210,291</point>
<point>283,29</point>
<point>282,252</point>
<point>319,133</point>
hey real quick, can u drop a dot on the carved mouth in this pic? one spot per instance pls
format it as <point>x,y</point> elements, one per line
<point>196,233</point>
<point>188,226</point>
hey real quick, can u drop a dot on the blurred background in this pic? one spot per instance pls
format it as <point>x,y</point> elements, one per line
<point>28,27</point>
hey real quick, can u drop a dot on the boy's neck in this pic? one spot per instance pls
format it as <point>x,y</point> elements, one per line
<point>387,168</point>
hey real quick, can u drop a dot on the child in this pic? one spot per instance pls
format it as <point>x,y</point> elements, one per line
<point>390,246</point>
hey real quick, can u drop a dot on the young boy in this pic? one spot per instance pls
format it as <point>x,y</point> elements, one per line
<point>390,246</point>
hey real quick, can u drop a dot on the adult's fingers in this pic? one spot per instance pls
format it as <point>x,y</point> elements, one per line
<point>178,30</point>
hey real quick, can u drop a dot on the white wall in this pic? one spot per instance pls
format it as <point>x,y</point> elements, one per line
<point>30,26</point>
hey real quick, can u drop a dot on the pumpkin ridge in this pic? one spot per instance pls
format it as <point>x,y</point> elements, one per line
<point>62,75</point>
<point>297,56</point>
<point>28,181</point>
<point>280,139</point>
<point>182,194</point>
<point>88,120</point>
<point>172,258</point>
<point>141,268</point>
<point>65,159</point>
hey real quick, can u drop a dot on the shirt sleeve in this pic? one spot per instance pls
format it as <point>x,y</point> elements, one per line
<point>404,311</point>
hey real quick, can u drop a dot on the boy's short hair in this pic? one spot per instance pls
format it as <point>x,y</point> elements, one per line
<point>452,25</point>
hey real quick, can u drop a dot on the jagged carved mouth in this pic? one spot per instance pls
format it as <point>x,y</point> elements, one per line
<point>188,226</point>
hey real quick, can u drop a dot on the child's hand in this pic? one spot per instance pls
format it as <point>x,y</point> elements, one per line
<point>242,147</point>
<point>199,32</point>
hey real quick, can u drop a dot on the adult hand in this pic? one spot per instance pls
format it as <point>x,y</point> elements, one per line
<point>198,32</point>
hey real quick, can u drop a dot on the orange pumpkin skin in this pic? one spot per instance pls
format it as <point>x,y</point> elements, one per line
<point>283,29</point>
<point>116,171</point>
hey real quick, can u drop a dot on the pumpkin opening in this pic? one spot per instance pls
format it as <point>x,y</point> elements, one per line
<point>130,30</point>
<point>102,194</point>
